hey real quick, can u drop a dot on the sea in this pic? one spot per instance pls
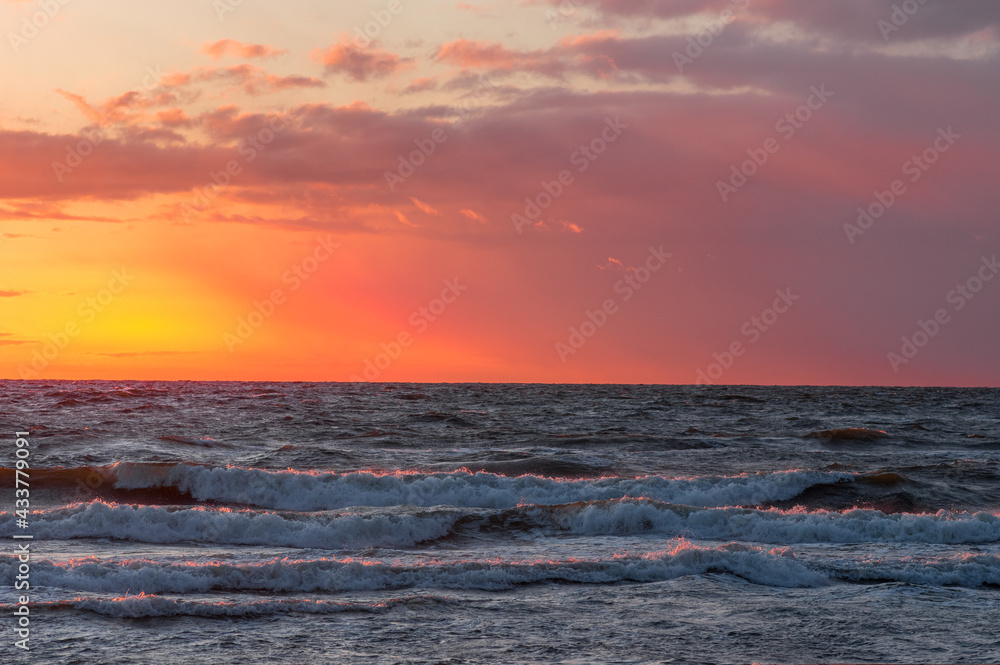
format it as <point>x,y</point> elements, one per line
<point>238,522</point>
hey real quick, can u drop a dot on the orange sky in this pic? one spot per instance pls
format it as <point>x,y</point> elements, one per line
<point>583,191</point>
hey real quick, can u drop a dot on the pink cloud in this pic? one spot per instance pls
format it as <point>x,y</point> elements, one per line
<point>568,57</point>
<point>654,184</point>
<point>851,20</point>
<point>473,215</point>
<point>403,219</point>
<point>420,85</point>
<point>611,263</point>
<point>475,9</point>
<point>254,81</point>
<point>233,48</point>
<point>174,118</point>
<point>360,64</point>
<point>423,207</point>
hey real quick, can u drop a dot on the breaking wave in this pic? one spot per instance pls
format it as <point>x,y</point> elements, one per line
<point>777,567</point>
<point>291,490</point>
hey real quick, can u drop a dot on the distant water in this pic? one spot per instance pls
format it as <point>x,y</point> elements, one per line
<point>182,522</point>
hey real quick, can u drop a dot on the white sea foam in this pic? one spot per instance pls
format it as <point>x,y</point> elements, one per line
<point>770,526</point>
<point>305,491</point>
<point>773,568</point>
<point>408,527</point>
<point>966,570</point>
<point>778,567</point>
<point>147,605</point>
<point>157,524</point>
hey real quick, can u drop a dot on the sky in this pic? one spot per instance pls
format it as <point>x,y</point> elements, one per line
<point>614,191</point>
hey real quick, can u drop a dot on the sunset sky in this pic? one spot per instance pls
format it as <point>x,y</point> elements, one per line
<point>529,191</point>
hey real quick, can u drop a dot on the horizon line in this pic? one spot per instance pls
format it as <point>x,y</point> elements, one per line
<point>515,383</point>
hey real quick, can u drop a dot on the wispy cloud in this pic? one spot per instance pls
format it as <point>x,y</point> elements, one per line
<point>233,48</point>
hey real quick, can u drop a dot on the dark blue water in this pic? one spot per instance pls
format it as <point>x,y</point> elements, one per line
<point>179,522</point>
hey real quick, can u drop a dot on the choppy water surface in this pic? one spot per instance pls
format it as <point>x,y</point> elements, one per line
<point>180,522</point>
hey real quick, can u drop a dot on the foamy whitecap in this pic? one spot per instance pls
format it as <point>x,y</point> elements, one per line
<point>324,491</point>
<point>771,526</point>
<point>401,528</point>
<point>158,524</point>
<point>758,565</point>
<point>145,605</point>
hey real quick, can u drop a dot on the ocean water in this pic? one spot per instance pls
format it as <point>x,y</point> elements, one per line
<point>183,522</point>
